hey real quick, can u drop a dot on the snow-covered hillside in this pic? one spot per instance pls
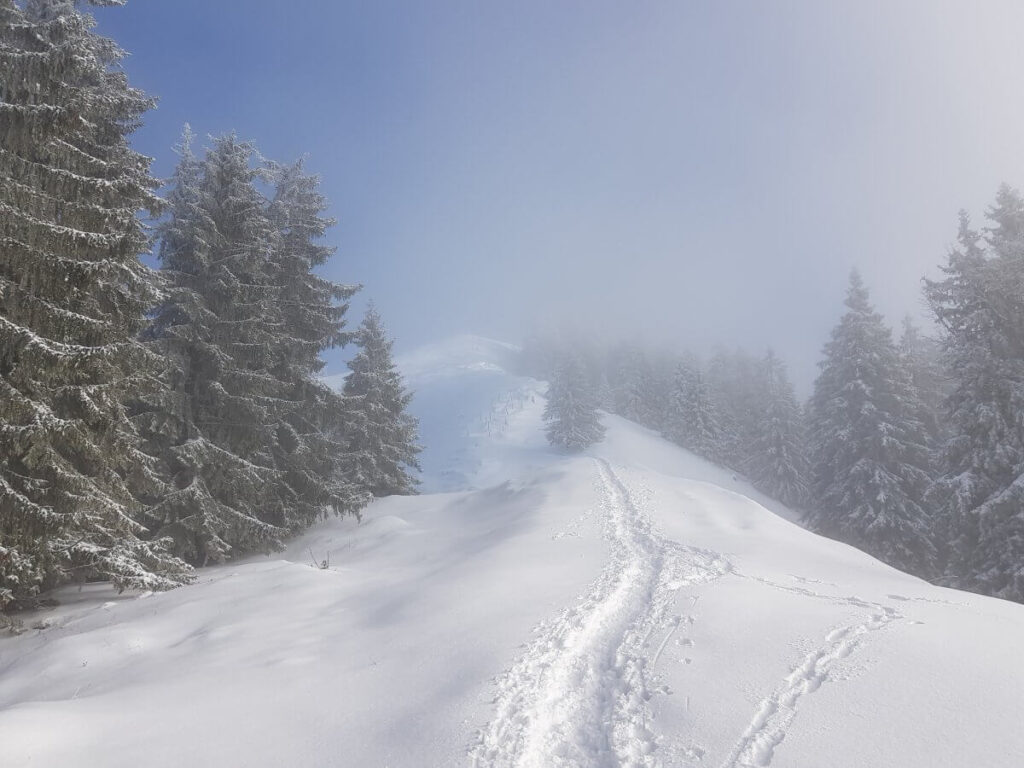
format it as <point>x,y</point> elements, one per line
<point>634,606</point>
<point>469,403</point>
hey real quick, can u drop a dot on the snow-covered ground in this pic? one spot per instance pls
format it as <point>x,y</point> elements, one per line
<point>634,606</point>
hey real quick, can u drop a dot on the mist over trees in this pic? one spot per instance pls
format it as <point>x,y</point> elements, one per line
<point>151,422</point>
<point>778,463</point>
<point>735,409</point>
<point>691,416</point>
<point>979,497</point>
<point>912,450</point>
<point>571,414</point>
<point>871,452</point>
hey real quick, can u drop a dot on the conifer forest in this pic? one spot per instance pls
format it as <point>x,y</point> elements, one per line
<point>157,421</point>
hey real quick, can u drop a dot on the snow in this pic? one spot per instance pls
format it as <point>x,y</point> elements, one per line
<point>633,606</point>
<point>478,419</point>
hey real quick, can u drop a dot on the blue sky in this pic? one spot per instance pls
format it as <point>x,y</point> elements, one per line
<point>693,171</point>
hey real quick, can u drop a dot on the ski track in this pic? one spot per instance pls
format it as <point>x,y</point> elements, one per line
<point>776,712</point>
<point>577,698</point>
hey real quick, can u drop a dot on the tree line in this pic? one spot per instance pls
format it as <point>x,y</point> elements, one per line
<point>911,449</point>
<point>155,421</point>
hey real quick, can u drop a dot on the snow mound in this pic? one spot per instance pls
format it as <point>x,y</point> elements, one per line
<point>458,356</point>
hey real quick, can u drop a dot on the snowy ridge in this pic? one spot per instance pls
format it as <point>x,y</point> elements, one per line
<point>467,398</point>
<point>458,356</point>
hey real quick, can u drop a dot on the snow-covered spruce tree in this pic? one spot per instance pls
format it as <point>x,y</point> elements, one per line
<point>310,447</point>
<point>216,428</point>
<point>251,438</point>
<point>72,297</point>
<point>571,414</point>
<point>778,462</point>
<point>921,358</point>
<point>603,393</point>
<point>626,365</point>
<point>980,306</point>
<point>732,380</point>
<point>692,419</point>
<point>871,458</point>
<point>382,435</point>
<point>654,389</point>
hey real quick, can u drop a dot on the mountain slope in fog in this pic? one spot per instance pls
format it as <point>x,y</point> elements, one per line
<point>634,606</point>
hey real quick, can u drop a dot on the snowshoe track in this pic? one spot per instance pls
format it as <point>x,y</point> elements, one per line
<point>776,712</point>
<point>578,696</point>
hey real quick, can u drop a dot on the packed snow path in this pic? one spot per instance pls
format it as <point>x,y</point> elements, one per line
<point>578,696</point>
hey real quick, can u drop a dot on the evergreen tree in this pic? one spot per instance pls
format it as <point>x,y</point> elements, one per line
<point>980,306</point>
<point>921,358</point>
<point>778,462</point>
<point>603,394</point>
<point>692,419</point>
<point>625,375</point>
<point>382,434</point>
<point>310,448</point>
<point>253,441</point>
<point>215,427</point>
<point>871,456</point>
<point>72,298</point>
<point>573,421</point>
<point>654,390</point>
<point>732,380</point>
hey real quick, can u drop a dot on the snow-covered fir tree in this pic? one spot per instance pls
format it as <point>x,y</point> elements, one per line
<point>310,449</point>
<point>871,458</point>
<point>692,418</point>
<point>921,358</point>
<point>732,381</point>
<point>654,389</point>
<point>778,462</point>
<point>603,393</point>
<point>627,364</point>
<point>72,297</point>
<point>382,434</point>
<point>222,423</point>
<point>980,306</point>
<point>573,421</point>
<point>253,441</point>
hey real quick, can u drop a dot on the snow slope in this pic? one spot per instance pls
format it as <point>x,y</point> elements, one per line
<point>468,402</point>
<point>635,606</point>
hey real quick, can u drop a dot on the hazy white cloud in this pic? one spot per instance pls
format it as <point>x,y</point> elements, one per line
<point>702,172</point>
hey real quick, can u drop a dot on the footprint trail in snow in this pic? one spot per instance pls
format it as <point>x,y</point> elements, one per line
<point>776,712</point>
<point>578,696</point>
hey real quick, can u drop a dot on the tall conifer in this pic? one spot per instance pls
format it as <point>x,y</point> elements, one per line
<point>570,413</point>
<point>382,434</point>
<point>872,464</point>
<point>980,306</point>
<point>310,447</point>
<point>72,297</point>
<point>778,460</point>
<point>692,419</point>
<point>218,327</point>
